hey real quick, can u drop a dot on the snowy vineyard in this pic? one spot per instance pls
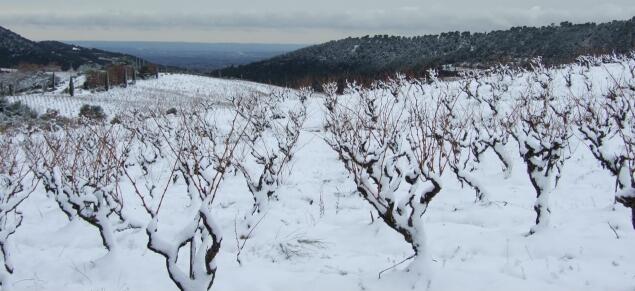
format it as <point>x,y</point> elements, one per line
<point>170,90</point>
<point>509,178</point>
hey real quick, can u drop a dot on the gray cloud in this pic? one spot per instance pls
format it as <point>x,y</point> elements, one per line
<point>396,19</point>
<point>406,20</point>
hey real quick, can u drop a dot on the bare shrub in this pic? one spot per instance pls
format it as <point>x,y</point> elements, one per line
<point>200,153</point>
<point>606,124</point>
<point>92,112</point>
<point>541,124</point>
<point>84,170</point>
<point>16,184</point>
<point>386,139</point>
<point>268,146</point>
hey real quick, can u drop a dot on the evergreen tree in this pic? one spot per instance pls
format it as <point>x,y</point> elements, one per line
<point>71,87</point>
<point>53,82</point>
<point>125,77</point>
<point>107,83</point>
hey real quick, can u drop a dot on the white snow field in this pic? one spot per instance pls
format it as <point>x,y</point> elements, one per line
<point>171,90</point>
<point>321,235</point>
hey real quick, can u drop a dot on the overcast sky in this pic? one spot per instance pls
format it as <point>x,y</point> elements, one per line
<point>287,21</point>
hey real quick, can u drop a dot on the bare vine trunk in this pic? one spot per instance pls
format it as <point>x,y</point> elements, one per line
<point>503,156</point>
<point>7,267</point>
<point>541,183</point>
<point>467,178</point>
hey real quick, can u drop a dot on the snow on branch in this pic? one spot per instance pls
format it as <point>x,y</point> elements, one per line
<point>198,149</point>
<point>16,184</point>
<point>385,137</point>
<point>268,146</point>
<point>82,166</point>
<point>540,122</point>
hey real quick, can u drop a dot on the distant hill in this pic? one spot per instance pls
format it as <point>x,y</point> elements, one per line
<point>202,57</point>
<point>16,50</point>
<point>371,57</point>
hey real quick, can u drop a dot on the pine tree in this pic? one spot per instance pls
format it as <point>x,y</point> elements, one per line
<point>71,88</point>
<point>107,84</point>
<point>53,82</point>
<point>125,77</point>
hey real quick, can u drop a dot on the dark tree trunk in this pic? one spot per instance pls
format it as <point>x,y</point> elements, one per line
<point>628,202</point>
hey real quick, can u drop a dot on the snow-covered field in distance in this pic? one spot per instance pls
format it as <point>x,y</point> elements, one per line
<point>320,236</point>
<point>170,90</point>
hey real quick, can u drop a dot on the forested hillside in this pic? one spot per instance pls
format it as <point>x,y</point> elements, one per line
<point>16,50</point>
<point>372,57</point>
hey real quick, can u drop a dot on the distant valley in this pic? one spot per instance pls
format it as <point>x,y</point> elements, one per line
<point>199,57</point>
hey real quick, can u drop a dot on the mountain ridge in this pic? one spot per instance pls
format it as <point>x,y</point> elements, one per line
<point>380,55</point>
<point>16,50</point>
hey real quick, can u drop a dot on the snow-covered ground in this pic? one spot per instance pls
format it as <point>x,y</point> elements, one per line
<point>320,235</point>
<point>170,90</point>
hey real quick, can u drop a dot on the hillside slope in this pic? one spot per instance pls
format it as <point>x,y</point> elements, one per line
<point>16,50</point>
<point>372,57</point>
